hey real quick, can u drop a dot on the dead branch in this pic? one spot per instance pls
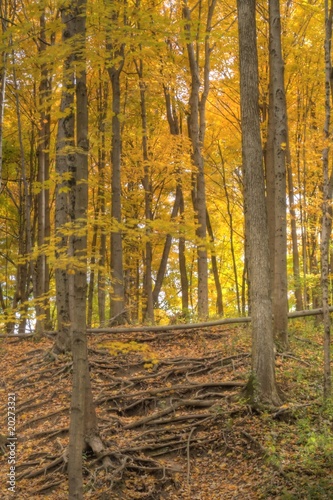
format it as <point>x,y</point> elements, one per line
<point>146,420</point>
<point>50,434</point>
<point>33,406</point>
<point>188,454</point>
<point>189,326</point>
<point>172,388</point>
<point>256,443</point>
<point>63,459</point>
<point>290,356</point>
<point>46,487</point>
<point>42,417</point>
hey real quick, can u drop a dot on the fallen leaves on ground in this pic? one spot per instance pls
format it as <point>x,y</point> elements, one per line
<point>170,417</point>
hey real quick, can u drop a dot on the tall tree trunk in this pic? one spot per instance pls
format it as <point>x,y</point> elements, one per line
<point>65,157</point>
<point>83,424</point>
<point>196,128</point>
<point>327,201</point>
<point>43,210</point>
<point>101,281</point>
<point>148,307</point>
<point>279,129</point>
<point>262,385</point>
<point>115,67</point>
<point>148,284</point>
<point>24,270</point>
<point>175,130</point>
<point>117,274</point>
<point>91,286</point>
<point>182,262</point>
<point>296,263</point>
<point>3,76</point>
<point>231,225</point>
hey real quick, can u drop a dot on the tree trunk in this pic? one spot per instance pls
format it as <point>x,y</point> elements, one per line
<point>92,266</point>
<point>262,385</point>
<point>219,298</point>
<point>175,131</point>
<point>327,202</point>
<point>296,264</point>
<point>166,250</point>
<point>65,157</point>
<point>3,76</point>
<point>182,262</point>
<point>279,116</point>
<point>117,296</point>
<point>82,418</point>
<point>196,129</point>
<point>101,281</point>
<point>148,306</point>
<point>234,265</point>
<point>43,209</point>
<point>24,274</point>
<point>117,274</point>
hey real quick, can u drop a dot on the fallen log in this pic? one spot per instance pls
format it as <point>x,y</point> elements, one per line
<point>185,326</point>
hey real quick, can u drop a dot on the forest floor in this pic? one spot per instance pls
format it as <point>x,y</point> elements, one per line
<point>170,418</point>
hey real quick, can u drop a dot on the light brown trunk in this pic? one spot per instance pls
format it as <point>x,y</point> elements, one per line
<point>196,130</point>
<point>262,384</point>
<point>64,164</point>
<point>43,209</point>
<point>82,417</point>
<point>279,123</point>
<point>148,305</point>
<point>219,298</point>
<point>117,274</point>
<point>327,202</point>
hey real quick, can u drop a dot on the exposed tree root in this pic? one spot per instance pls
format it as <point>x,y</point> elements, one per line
<point>144,416</point>
<point>58,463</point>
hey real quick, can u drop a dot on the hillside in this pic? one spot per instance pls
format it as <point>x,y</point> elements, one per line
<point>170,419</point>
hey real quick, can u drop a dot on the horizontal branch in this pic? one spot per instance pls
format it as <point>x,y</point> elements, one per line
<point>188,326</point>
<point>185,326</point>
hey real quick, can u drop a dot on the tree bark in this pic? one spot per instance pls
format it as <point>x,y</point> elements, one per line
<point>280,140</point>
<point>118,293</point>
<point>219,297</point>
<point>175,130</point>
<point>83,426</point>
<point>182,261</point>
<point>166,250</point>
<point>262,385</point>
<point>148,306</point>
<point>65,157</point>
<point>101,281</point>
<point>196,129</point>
<point>42,277</point>
<point>327,202</point>
<point>24,273</point>
<point>3,76</point>
<point>296,263</point>
<point>116,261</point>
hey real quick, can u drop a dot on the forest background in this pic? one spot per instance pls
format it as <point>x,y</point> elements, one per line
<point>143,175</point>
<point>132,141</point>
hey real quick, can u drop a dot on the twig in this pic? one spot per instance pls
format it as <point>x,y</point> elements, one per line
<point>285,355</point>
<point>255,442</point>
<point>60,460</point>
<point>42,417</point>
<point>47,487</point>
<point>307,341</point>
<point>146,420</point>
<point>188,454</point>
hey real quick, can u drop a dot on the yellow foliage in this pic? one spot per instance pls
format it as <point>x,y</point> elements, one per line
<point>116,348</point>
